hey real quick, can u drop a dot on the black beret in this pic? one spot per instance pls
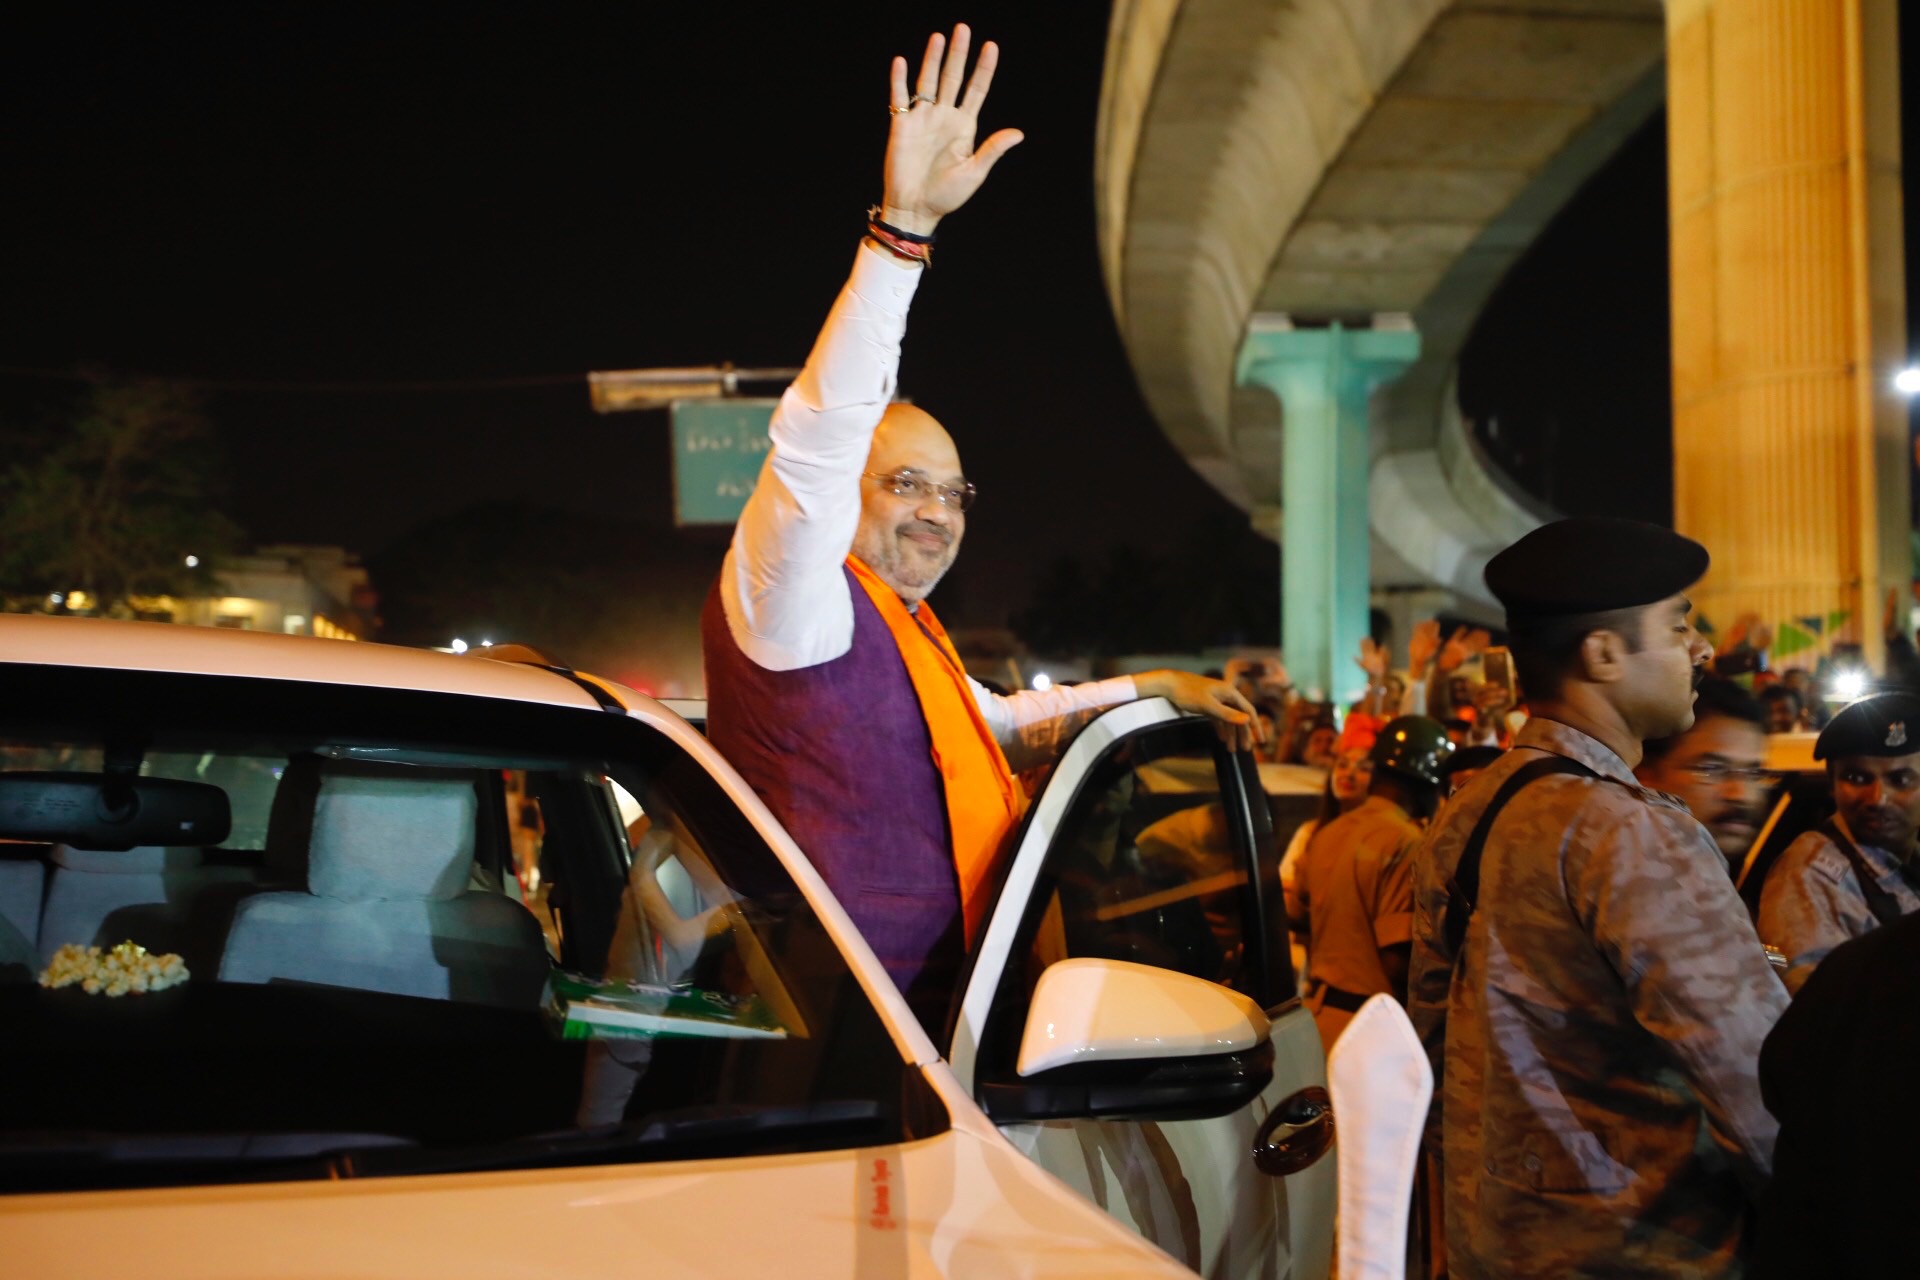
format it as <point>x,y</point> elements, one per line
<point>1592,565</point>
<point>1886,724</point>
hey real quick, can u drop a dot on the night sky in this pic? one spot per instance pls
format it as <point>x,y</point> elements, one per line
<point>324,195</point>
<point>468,192</point>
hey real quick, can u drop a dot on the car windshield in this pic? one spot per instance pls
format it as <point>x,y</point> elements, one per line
<point>441,932</point>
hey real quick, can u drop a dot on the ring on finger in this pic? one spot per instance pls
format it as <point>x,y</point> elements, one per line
<point>897,111</point>
<point>919,98</point>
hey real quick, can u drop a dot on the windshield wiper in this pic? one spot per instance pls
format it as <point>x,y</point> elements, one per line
<point>686,1133</point>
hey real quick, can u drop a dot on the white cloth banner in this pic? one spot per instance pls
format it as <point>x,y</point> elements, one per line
<point>1381,1084</point>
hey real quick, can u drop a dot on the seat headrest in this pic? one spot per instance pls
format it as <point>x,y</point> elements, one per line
<point>145,859</point>
<point>384,832</point>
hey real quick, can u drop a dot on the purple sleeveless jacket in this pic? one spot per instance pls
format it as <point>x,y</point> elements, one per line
<point>841,754</point>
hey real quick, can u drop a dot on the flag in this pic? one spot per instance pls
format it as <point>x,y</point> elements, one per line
<point>1790,639</point>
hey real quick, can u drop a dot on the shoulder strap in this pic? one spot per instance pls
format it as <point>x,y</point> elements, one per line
<point>1463,887</point>
<point>1879,901</point>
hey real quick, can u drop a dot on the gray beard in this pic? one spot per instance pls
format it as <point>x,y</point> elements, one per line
<point>888,568</point>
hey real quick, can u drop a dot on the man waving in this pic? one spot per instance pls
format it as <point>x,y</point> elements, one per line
<point>831,685</point>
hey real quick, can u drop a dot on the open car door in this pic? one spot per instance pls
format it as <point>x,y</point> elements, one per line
<point>1130,1020</point>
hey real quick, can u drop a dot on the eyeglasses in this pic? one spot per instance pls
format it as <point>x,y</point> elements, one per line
<point>1718,773</point>
<point>916,488</point>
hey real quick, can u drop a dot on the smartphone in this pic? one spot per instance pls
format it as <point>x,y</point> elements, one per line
<point>1496,667</point>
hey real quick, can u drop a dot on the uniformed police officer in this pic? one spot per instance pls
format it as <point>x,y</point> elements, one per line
<point>1856,871</point>
<point>1584,974</point>
<point>1354,885</point>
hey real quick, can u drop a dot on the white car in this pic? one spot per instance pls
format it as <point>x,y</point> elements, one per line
<point>496,969</point>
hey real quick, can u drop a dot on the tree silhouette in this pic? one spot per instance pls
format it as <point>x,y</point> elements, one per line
<point>112,499</point>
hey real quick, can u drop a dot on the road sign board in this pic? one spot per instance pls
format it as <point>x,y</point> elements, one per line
<point>718,449</point>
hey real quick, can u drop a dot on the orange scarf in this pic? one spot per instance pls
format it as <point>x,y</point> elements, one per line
<point>983,799</point>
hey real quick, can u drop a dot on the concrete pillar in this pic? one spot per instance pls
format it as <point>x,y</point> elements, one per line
<point>1789,305</point>
<point>1323,378</point>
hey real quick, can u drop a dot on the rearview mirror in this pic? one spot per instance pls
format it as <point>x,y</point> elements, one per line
<point>1114,1038</point>
<point>93,811</point>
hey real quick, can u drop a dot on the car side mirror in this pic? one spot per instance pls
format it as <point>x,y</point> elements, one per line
<point>1112,1038</point>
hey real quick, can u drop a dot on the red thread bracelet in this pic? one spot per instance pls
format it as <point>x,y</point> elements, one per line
<point>920,253</point>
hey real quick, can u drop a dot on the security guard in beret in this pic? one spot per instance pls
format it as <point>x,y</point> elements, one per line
<point>1354,886</point>
<point>1584,975</point>
<point>1856,871</point>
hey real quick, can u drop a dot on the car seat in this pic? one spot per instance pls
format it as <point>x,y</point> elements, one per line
<point>165,899</point>
<point>387,905</point>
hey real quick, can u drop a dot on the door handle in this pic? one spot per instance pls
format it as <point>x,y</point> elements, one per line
<point>1295,1133</point>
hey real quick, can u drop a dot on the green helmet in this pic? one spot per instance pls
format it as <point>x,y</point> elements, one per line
<point>1414,746</point>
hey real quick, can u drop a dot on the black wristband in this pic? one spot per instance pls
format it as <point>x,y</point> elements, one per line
<point>873,219</point>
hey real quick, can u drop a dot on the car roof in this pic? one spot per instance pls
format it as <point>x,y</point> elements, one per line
<point>47,640</point>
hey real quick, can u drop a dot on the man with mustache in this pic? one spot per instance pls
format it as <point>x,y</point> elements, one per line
<point>1717,768</point>
<point>832,687</point>
<point>1584,976</point>
<point>1856,871</point>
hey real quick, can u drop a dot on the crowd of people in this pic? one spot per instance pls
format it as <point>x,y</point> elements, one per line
<point>1541,862</point>
<point>1549,883</point>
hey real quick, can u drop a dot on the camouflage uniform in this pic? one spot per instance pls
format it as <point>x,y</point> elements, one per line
<point>1813,902</point>
<point>1596,1058</point>
<point>1355,887</point>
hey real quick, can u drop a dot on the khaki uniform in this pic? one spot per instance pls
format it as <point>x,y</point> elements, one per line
<point>1595,1057</point>
<point>1354,886</point>
<point>1813,902</point>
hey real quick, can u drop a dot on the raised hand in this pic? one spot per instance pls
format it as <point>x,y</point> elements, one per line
<point>1460,646</point>
<point>1273,680</point>
<point>932,166</point>
<point>1422,646</point>
<point>1373,660</point>
<point>1737,633</point>
<point>1265,677</point>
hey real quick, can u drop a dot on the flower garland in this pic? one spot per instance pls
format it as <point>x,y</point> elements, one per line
<point>128,969</point>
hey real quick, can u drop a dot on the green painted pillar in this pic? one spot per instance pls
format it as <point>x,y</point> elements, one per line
<point>1324,379</point>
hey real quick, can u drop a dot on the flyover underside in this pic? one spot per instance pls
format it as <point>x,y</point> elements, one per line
<point>1336,159</point>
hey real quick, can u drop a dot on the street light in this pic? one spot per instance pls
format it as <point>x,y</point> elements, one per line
<point>458,645</point>
<point>620,390</point>
<point>1848,685</point>
<point>1907,381</point>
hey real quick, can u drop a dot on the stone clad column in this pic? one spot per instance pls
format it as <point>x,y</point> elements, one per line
<point>1789,305</point>
<point>1324,378</point>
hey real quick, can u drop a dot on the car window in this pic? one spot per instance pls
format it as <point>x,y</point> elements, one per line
<point>1153,864</point>
<point>436,924</point>
<point>1146,867</point>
